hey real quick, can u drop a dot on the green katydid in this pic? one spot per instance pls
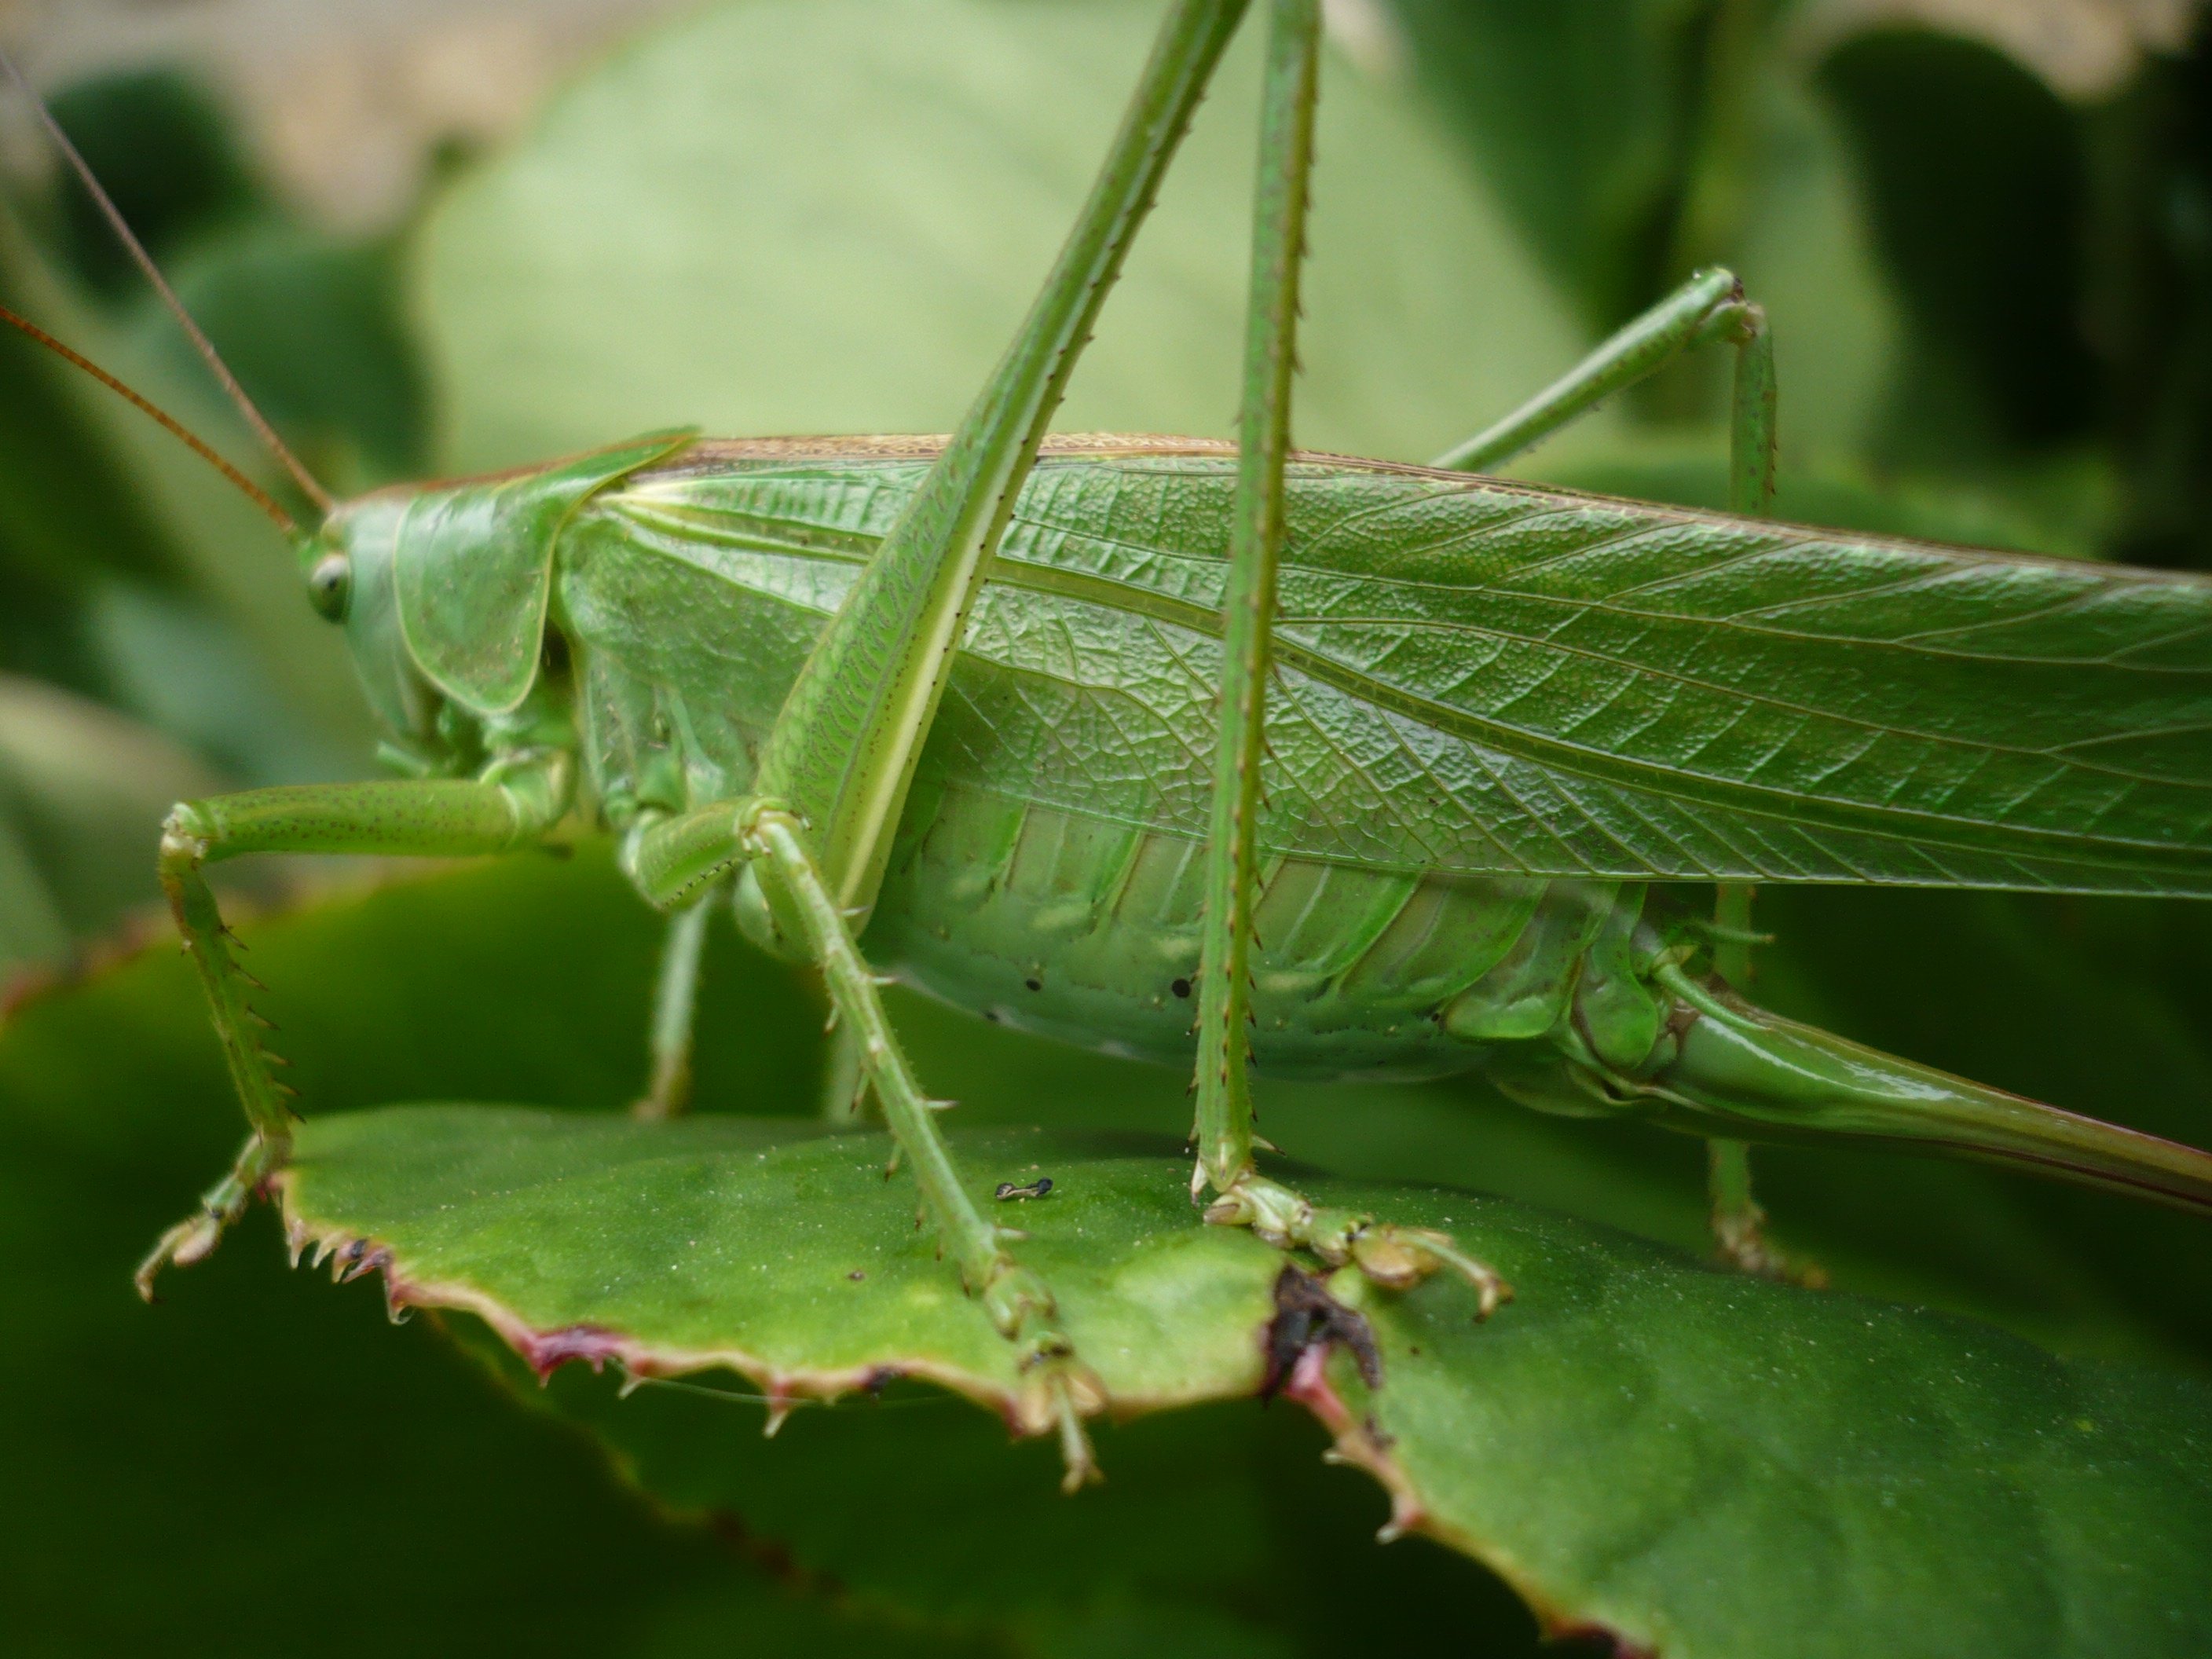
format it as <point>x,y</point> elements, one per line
<point>1363,764</point>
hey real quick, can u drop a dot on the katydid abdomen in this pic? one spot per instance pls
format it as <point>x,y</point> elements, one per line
<point>1453,842</point>
<point>1089,931</point>
<point>1051,923</point>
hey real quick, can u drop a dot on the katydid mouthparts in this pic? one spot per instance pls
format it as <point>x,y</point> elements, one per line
<point>1367,766</point>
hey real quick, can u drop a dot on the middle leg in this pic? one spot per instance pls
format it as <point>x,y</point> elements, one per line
<point>801,916</point>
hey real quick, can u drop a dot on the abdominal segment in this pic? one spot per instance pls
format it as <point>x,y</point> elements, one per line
<point>1089,931</point>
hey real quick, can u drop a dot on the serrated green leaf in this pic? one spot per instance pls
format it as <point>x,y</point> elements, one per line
<point>258,1465</point>
<point>529,974</point>
<point>242,1405</point>
<point>1690,1460</point>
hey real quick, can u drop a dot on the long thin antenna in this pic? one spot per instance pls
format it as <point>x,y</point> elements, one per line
<point>174,427</point>
<point>254,418</point>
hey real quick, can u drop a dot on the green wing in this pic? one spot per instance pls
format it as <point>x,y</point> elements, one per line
<point>1482,677</point>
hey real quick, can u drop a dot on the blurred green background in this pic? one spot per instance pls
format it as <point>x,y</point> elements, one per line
<point>439,237</point>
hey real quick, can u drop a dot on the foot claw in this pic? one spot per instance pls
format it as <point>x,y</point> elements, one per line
<point>659,1106</point>
<point>1080,1466</point>
<point>189,1240</point>
<point>1396,1258</point>
<point>195,1236</point>
<point>1739,1242</point>
<point>1059,1390</point>
<point>1424,1251</point>
<point>1753,1254</point>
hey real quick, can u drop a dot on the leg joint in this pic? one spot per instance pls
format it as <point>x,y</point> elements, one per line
<point>671,859</point>
<point>185,834</point>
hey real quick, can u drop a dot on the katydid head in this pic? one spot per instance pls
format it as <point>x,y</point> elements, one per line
<point>348,564</point>
<point>445,590</point>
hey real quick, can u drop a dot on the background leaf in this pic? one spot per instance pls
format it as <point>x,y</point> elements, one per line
<point>708,230</point>
<point>77,785</point>
<point>1976,179</point>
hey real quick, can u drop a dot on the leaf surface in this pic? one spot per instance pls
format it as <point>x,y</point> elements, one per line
<point>257,1455</point>
<point>1690,1460</point>
<point>528,975</point>
<point>200,1440</point>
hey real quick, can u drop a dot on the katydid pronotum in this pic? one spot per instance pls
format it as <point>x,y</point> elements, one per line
<point>1365,765</point>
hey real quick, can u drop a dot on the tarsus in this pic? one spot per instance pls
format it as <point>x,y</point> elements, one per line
<point>308,485</point>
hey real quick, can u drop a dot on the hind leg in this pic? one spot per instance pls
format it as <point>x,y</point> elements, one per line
<point>1391,1255</point>
<point>801,917</point>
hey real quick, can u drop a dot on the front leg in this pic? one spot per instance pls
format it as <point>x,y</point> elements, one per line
<point>511,806</point>
<point>668,861</point>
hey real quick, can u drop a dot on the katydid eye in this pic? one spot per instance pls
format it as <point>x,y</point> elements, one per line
<point>328,585</point>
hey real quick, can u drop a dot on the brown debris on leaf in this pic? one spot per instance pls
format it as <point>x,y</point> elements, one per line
<point>1580,1640</point>
<point>1308,1319</point>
